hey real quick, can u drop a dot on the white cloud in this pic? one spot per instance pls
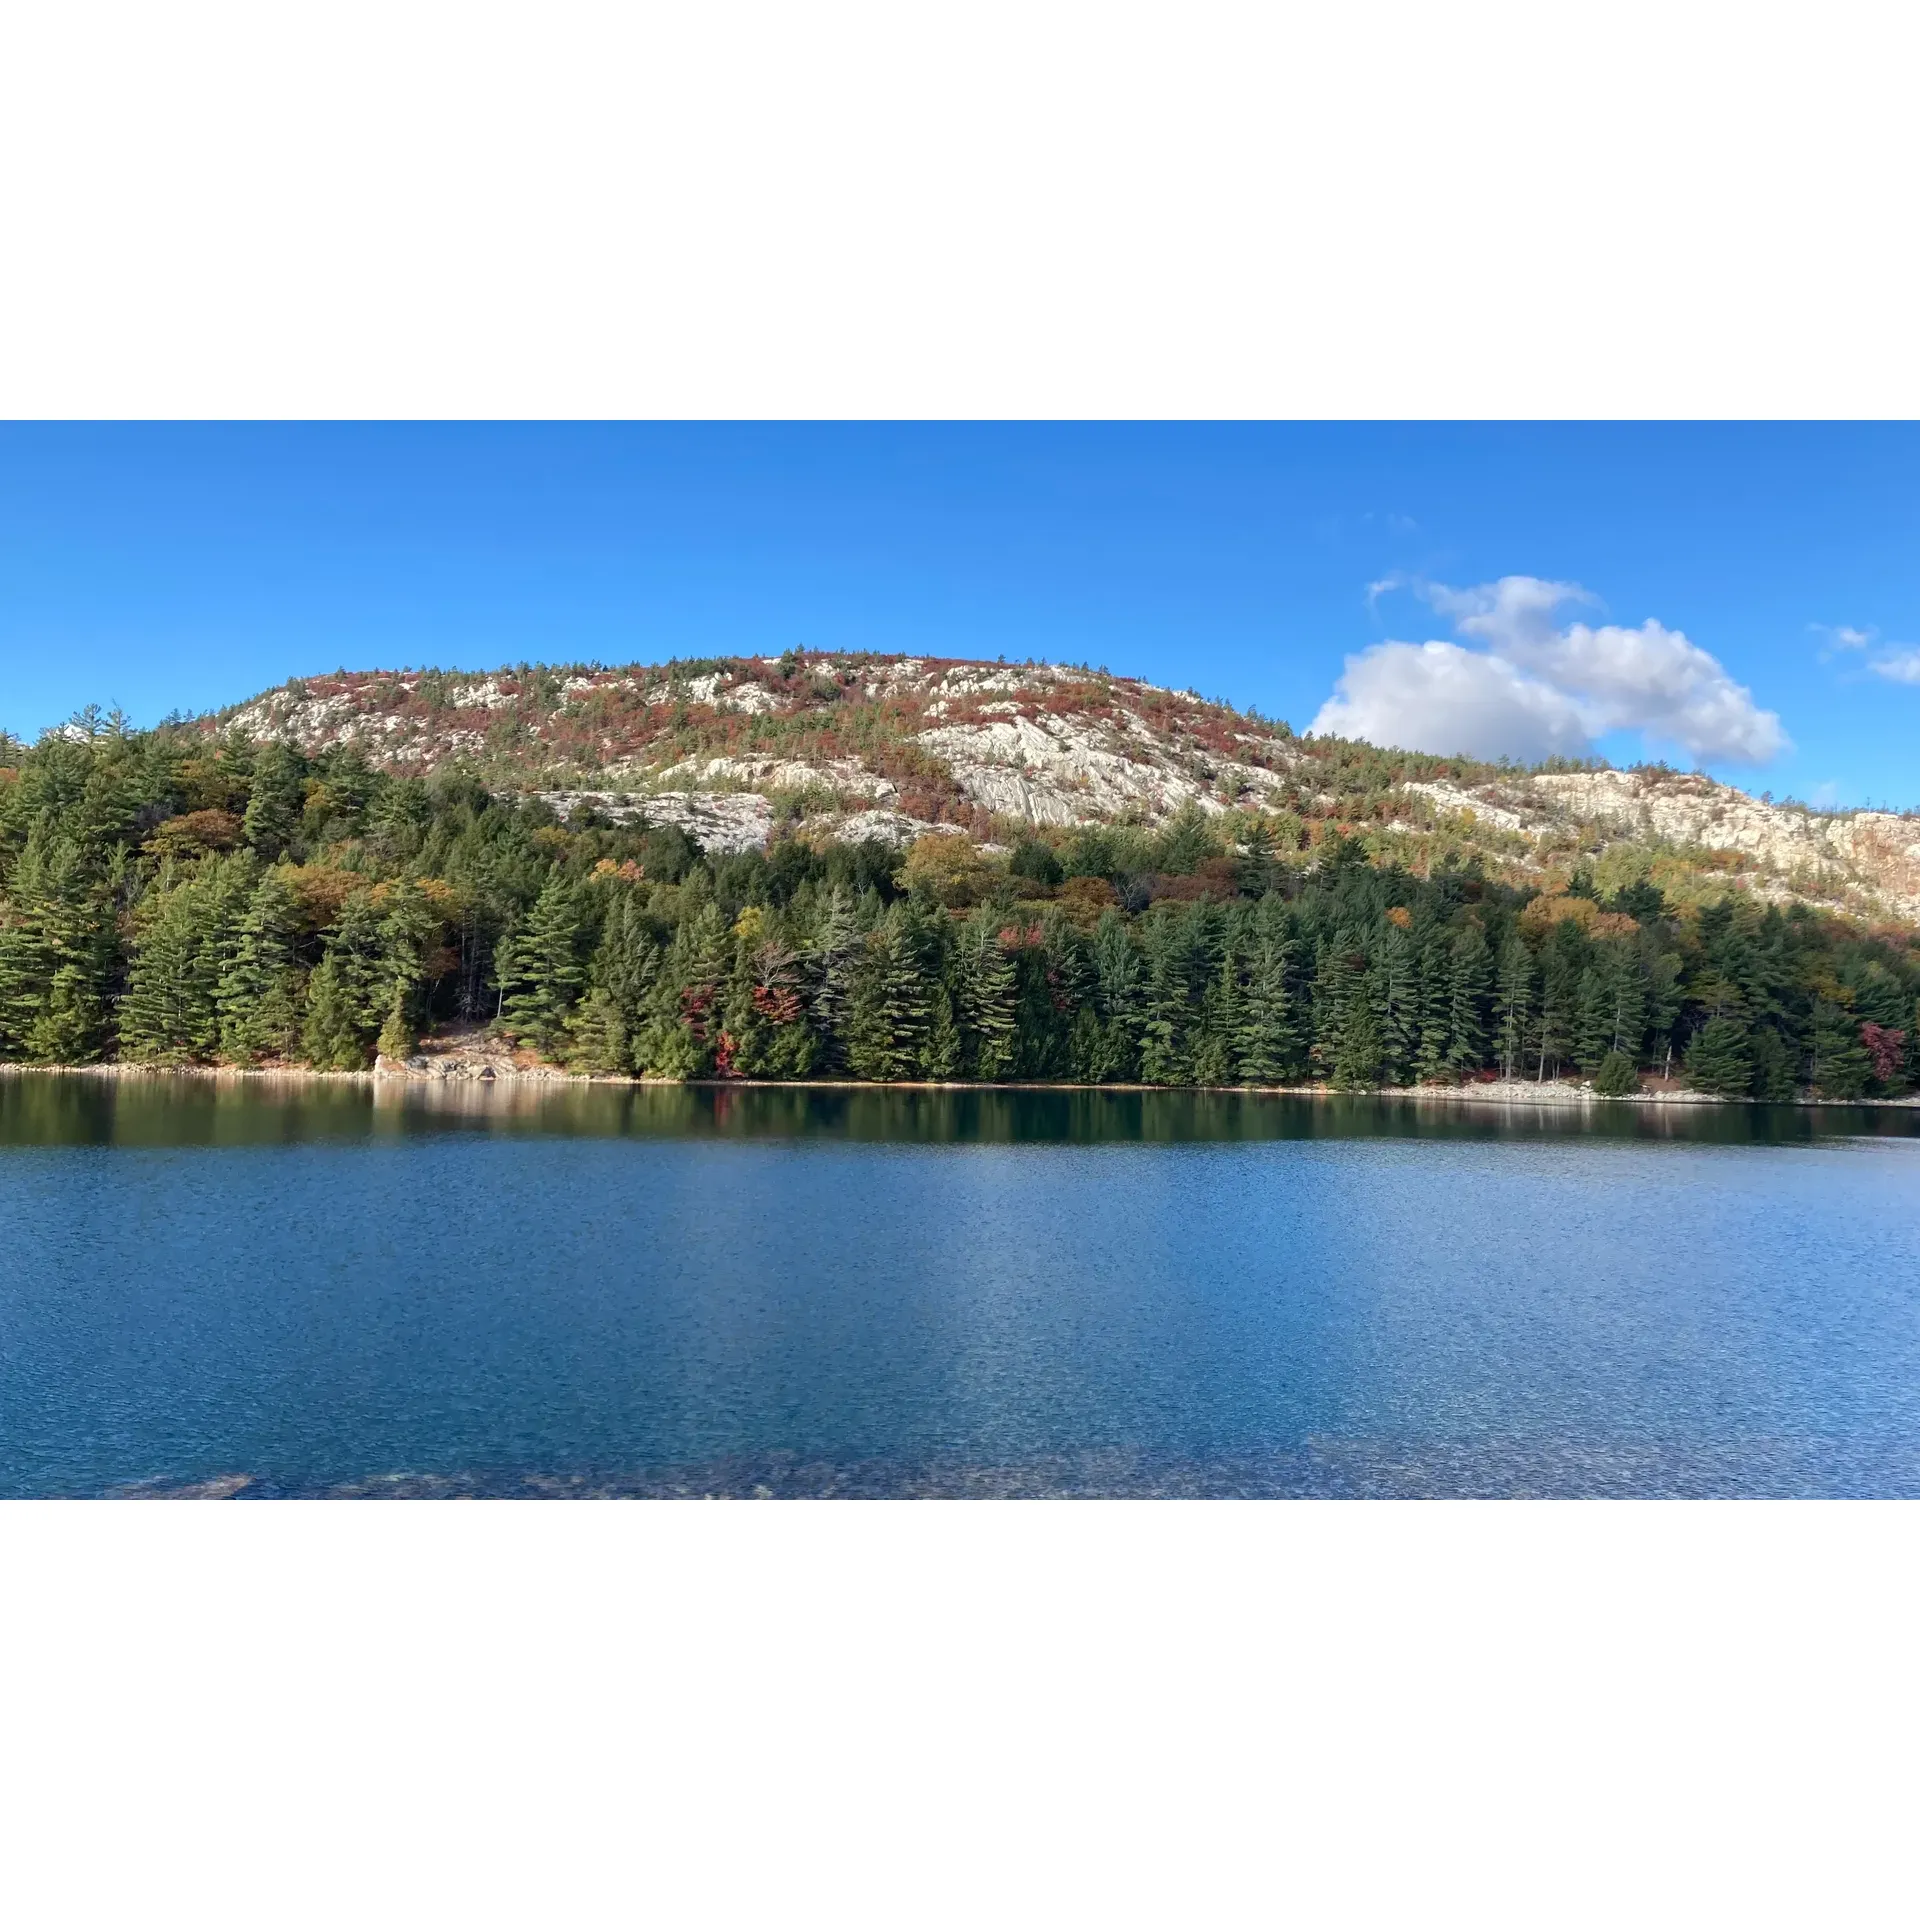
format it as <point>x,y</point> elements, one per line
<point>1536,687</point>
<point>1441,698</point>
<point>1900,663</point>
<point>1842,639</point>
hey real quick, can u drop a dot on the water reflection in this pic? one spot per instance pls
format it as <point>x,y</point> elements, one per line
<point>89,1109</point>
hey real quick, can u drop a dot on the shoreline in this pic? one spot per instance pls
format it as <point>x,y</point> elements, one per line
<point>400,1075</point>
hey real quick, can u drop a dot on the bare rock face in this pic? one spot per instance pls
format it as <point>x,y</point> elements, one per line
<point>872,746</point>
<point>1865,862</point>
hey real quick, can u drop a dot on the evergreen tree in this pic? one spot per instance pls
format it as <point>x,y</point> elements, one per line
<point>56,951</point>
<point>346,1005</point>
<point>1258,867</point>
<point>1554,1031</point>
<point>1339,964</point>
<point>988,996</point>
<point>1436,1003</point>
<point>168,1012</point>
<point>408,928</point>
<point>333,1032</point>
<point>273,807</point>
<point>1718,1061</point>
<point>837,965</point>
<point>260,993</point>
<point>888,1020</point>
<point>624,969</point>
<point>1513,1004</point>
<point>1397,979</point>
<point>1616,1076</point>
<point>1356,1063</point>
<point>1593,1021</point>
<point>1269,1029</point>
<point>597,1034</point>
<point>1841,1067</point>
<point>1166,996</point>
<point>1468,980</point>
<point>1774,1075</point>
<point>541,966</point>
<point>1222,1017</point>
<point>1118,997</point>
<point>940,1051</point>
<point>398,1032</point>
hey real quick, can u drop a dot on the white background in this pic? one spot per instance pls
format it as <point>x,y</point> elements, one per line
<point>1012,207</point>
<point>1004,210</point>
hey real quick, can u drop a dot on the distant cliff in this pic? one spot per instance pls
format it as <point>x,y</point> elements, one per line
<point>858,746</point>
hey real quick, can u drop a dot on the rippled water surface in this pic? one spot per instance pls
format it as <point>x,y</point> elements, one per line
<point>309,1289</point>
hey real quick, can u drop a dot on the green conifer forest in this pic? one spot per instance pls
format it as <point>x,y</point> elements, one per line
<point>176,897</point>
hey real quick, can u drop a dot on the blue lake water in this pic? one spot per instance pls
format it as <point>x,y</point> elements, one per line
<point>314,1290</point>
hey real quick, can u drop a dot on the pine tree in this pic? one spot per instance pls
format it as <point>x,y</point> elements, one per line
<point>1513,1004</point>
<point>1166,997</point>
<point>346,1004</point>
<point>1664,1003</point>
<point>1269,1051</point>
<point>26,972</point>
<point>1468,978</point>
<point>167,1014</point>
<point>681,1016</point>
<point>1718,1061</point>
<point>1436,1003</point>
<point>837,960</point>
<point>1356,1062</point>
<point>1222,1016</point>
<point>1773,1064</point>
<point>187,941</point>
<point>273,808</point>
<point>1841,1067</point>
<point>56,952</point>
<point>1258,868</point>
<point>541,970</point>
<point>597,1034</point>
<point>940,1050</point>
<point>409,926</point>
<point>1593,1021</point>
<point>1337,976</point>
<point>888,1020</point>
<point>1628,980</point>
<point>333,1033</point>
<point>398,1033</point>
<point>1554,1029</point>
<point>1118,998</point>
<point>1616,1077</point>
<point>1397,971</point>
<point>988,997</point>
<point>260,994</point>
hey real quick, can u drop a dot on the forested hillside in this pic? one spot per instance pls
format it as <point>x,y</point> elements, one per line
<point>889,746</point>
<point>205,895</point>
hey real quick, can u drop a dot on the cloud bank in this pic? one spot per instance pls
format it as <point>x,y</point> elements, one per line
<point>1526,686</point>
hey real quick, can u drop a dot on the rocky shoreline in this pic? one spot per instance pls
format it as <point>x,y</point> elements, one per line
<point>470,1060</point>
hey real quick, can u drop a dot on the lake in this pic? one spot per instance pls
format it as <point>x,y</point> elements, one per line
<point>304,1288</point>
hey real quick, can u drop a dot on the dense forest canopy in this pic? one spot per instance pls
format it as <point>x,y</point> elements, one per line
<point>176,897</point>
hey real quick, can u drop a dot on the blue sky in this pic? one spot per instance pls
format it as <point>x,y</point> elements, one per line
<point>1350,571</point>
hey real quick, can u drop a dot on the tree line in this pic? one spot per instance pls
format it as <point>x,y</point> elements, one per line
<point>177,897</point>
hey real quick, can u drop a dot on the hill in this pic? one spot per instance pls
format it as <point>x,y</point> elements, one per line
<point>853,746</point>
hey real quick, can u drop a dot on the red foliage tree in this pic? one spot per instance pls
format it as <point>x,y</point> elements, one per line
<point>1886,1047</point>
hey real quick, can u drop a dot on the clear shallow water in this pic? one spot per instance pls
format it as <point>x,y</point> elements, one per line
<point>697,1291</point>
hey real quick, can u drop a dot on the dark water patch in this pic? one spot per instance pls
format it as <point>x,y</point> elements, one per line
<point>153,1110</point>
